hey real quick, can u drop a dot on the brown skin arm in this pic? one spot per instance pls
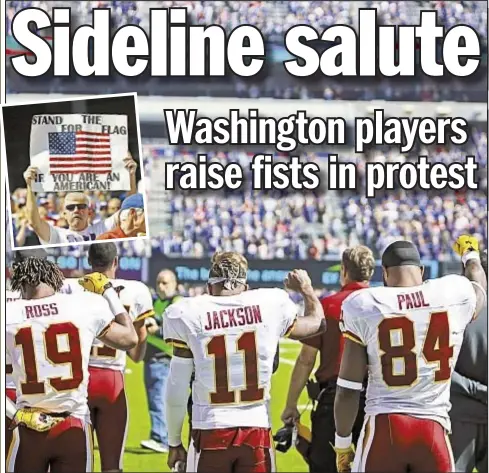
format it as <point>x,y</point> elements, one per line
<point>121,334</point>
<point>353,368</point>
<point>137,353</point>
<point>300,374</point>
<point>313,321</point>
<point>474,272</point>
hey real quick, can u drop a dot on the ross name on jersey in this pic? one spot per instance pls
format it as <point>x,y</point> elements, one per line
<point>41,310</point>
<point>248,315</point>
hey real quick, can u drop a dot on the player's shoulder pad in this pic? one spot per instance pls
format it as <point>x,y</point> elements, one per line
<point>130,285</point>
<point>181,308</point>
<point>71,286</point>
<point>271,293</point>
<point>11,296</point>
<point>14,314</point>
<point>456,287</point>
<point>361,302</point>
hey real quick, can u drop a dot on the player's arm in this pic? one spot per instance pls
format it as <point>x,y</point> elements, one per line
<point>145,304</point>
<point>313,321</point>
<point>347,400</point>
<point>178,382</point>
<point>176,400</point>
<point>137,353</point>
<point>350,384</point>
<point>41,227</point>
<point>467,247</point>
<point>475,273</point>
<point>119,333</point>
<point>300,374</point>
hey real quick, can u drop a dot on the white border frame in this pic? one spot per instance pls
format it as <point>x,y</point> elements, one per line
<point>141,167</point>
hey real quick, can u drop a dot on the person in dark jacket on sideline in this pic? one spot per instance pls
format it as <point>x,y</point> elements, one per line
<point>468,396</point>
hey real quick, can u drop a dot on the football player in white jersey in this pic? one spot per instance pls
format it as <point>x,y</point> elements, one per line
<point>49,336</point>
<point>230,337</point>
<point>408,336</point>
<point>106,393</point>
<point>10,389</point>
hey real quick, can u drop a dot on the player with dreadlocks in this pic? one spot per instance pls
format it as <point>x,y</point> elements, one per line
<point>213,334</point>
<point>49,336</point>
<point>10,389</point>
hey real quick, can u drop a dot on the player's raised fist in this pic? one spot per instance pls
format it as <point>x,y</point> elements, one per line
<point>465,243</point>
<point>95,282</point>
<point>298,280</point>
<point>35,419</point>
<point>30,175</point>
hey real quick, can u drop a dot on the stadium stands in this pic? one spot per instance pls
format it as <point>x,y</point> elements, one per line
<point>273,19</point>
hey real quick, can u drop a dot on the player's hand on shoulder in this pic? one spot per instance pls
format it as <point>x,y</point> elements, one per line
<point>177,458</point>
<point>95,282</point>
<point>298,281</point>
<point>465,243</point>
<point>30,175</point>
<point>34,419</point>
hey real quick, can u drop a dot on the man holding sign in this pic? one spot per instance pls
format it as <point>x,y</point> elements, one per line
<point>76,213</point>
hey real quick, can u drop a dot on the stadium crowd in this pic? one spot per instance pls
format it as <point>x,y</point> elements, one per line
<point>275,225</point>
<point>274,19</point>
<point>278,225</point>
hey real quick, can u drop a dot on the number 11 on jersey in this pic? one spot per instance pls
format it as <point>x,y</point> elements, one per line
<point>216,348</point>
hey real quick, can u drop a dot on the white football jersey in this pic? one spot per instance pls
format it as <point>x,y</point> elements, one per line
<point>233,340</point>
<point>413,337</point>
<point>136,298</point>
<point>48,341</point>
<point>9,379</point>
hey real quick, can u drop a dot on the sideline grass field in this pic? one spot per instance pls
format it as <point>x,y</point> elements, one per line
<point>141,460</point>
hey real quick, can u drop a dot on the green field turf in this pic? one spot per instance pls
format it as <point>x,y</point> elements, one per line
<point>139,459</point>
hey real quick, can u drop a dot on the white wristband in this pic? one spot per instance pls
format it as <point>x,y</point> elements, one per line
<point>342,442</point>
<point>115,303</point>
<point>470,255</point>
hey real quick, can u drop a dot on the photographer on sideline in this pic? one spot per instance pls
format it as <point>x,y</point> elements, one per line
<point>357,268</point>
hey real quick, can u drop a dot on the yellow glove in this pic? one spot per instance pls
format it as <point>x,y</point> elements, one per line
<point>464,244</point>
<point>95,282</point>
<point>35,419</point>
<point>344,458</point>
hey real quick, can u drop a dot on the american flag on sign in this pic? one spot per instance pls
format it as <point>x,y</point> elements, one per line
<point>74,152</point>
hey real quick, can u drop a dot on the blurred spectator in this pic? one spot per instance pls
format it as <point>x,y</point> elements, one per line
<point>278,225</point>
<point>157,362</point>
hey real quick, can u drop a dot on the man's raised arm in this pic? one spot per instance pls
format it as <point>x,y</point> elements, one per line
<point>42,228</point>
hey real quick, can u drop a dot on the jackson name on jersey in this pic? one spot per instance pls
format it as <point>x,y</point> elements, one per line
<point>233,340</point>
<point>413,337</point>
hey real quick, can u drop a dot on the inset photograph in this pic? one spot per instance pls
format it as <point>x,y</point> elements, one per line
<point>74,171</point>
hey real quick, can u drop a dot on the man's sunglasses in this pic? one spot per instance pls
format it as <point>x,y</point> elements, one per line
<point>72,207</point>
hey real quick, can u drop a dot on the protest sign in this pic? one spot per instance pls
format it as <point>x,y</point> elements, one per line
<point>79,152</point>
